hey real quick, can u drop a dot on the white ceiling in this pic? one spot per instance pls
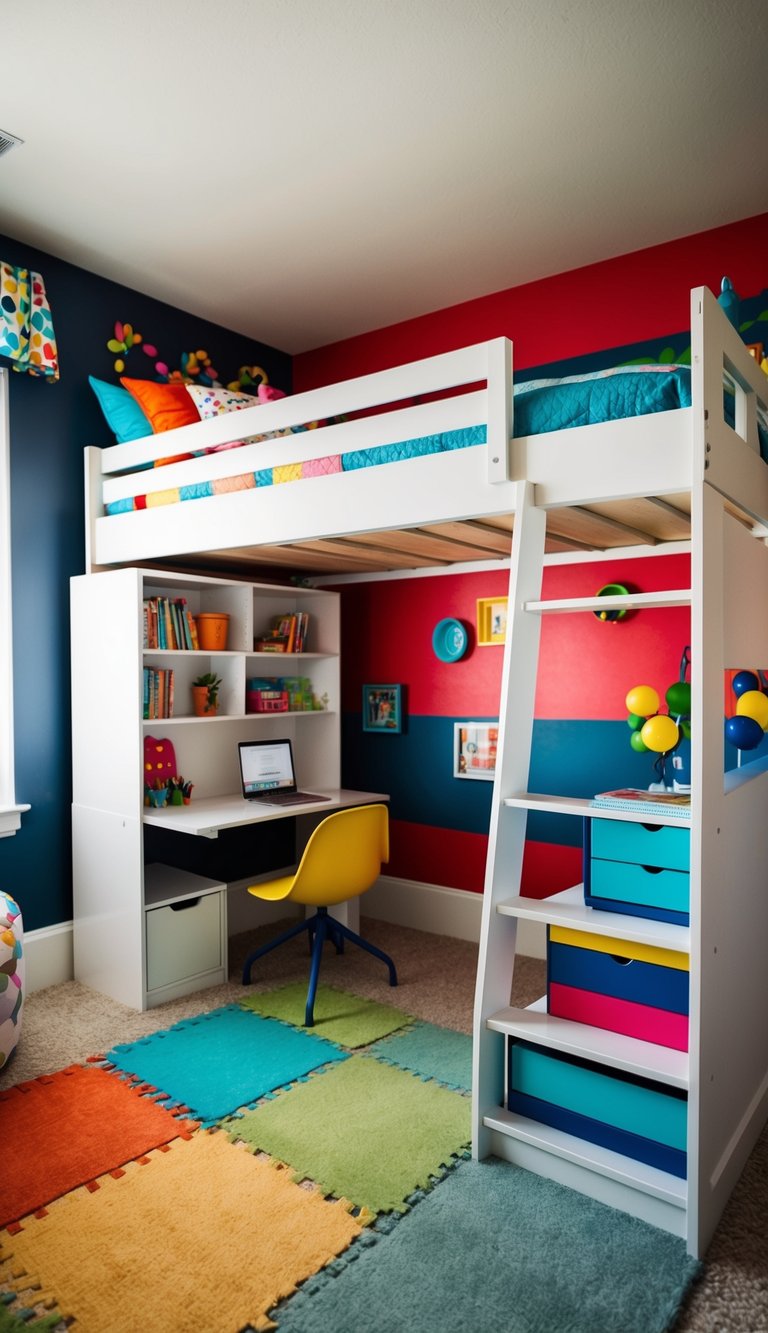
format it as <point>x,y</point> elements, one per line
<point>305,170</point>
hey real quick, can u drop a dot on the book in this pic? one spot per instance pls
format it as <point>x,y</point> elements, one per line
<point>192,630</point>
<point>641,801</point>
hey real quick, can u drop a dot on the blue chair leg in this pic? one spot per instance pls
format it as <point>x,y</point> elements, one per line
<point>273,944</point>
<point>334,935</point>
<point>321,934</point>
<point>369,948</point>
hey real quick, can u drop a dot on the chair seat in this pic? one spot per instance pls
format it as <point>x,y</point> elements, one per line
<point>272,890</point>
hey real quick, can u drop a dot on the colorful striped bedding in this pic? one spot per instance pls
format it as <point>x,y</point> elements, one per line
<point>540,406</point>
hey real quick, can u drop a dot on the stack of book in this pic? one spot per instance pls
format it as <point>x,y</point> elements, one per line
<point>287,634</point>
<point>158,692</point>
<point>168,623</point>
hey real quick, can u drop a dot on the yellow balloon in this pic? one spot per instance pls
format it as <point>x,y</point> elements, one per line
<point>753,703</point>
<point>642,700</point>
<point>660,734</point>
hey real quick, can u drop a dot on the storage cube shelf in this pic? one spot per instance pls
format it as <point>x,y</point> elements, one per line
<point>648,954</point>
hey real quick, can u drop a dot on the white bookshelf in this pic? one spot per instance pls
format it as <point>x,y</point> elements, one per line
<point>129,919</point>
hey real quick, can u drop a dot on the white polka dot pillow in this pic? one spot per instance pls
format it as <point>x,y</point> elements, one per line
<point>211,402</point>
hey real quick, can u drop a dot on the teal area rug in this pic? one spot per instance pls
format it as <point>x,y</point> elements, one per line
<point>431,1052</point>
<point>217,1062</point>
<point>497,1249</point>
<point>345,1019</point>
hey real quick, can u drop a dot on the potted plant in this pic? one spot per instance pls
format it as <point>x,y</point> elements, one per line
<point>205,694</point>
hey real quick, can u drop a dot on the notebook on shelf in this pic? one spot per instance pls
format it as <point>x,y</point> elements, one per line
<point>267,774</point>
<point>641,801</point>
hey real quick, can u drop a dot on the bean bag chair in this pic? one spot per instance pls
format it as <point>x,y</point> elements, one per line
<point>11,976</point>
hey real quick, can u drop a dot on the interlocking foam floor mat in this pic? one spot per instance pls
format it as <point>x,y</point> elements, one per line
<point>62,1130</point>
<point>217,1062</point>
<point>346,1019</point>
<point>385,1133</point>
<point>200,1236</point>
<point>431,1052</point>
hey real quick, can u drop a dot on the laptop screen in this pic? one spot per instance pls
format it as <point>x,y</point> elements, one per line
<point>266,766</point>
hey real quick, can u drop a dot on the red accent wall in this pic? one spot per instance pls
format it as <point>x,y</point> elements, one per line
<point>624,300</point>
<point>387,636</point>
<point>449,857</point>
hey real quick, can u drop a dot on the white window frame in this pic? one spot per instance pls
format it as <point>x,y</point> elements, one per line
<point>10,810</point>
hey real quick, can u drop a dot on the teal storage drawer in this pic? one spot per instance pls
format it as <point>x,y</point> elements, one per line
<point>642,885</point>
<point>642,844</point>
<point>651,1111</point>
<point>622,1112</point>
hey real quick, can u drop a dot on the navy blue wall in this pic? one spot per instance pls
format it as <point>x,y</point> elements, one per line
<point>50,425</point>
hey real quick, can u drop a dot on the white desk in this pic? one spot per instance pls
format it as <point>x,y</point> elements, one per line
<point>206,818</point>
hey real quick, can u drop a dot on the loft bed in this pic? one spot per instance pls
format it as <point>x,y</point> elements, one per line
<point>473,487</point>
<point>420,465</point>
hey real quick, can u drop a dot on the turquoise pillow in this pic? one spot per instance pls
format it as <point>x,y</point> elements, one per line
<point>123,414</point>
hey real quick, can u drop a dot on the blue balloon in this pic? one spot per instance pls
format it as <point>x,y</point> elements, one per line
<point>743,732</point>
<point>743,681</point>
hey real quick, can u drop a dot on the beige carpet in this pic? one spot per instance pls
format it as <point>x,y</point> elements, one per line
<point>68,1023</point>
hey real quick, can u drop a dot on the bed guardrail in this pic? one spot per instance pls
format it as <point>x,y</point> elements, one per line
<point>468,387</point>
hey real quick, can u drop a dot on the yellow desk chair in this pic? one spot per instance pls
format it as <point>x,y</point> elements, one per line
<point>341,860</point>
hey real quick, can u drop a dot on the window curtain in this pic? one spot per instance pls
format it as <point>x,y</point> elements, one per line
<point>26,327</point>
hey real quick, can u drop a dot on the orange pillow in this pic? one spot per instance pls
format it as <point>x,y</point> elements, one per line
<point>165,406</point>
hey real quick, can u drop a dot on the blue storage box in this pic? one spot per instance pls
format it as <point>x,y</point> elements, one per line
<point>637,869</point>
<point>630,1115</point>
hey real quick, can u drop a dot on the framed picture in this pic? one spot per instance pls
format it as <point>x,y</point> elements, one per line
<point>382,708</point>
<point>491,619</point>
<point>474,749</point>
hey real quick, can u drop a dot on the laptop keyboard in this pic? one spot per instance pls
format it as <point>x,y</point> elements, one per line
<point>293,798</point>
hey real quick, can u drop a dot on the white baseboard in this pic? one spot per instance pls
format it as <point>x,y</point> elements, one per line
<point>443,911</point>
<point>48,956</point>
<point>48,953</point>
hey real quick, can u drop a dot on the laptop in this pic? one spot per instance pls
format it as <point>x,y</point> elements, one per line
<point>267,774</point>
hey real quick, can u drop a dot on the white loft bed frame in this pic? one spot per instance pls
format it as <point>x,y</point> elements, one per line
<point>690,462</point>
<point>612,462</point>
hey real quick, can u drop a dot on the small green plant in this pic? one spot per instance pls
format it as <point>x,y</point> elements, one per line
<point>212,683</point>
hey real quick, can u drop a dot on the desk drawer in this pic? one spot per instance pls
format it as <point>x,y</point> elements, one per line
<point>641,1119</point>
<point>184,940</point>
<point>644,844</point>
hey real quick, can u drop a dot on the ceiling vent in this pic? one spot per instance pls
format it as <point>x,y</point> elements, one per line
<point>8,141</point>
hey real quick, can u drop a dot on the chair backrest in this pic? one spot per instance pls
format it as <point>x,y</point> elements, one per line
<point>343,856</point>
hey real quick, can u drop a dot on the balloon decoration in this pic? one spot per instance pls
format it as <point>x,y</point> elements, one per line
<point>656,731</point>
<point>746,728</point>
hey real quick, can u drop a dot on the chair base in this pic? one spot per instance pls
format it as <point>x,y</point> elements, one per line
<point>320,927</point>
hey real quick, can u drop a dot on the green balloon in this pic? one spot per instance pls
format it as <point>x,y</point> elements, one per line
<point>634,722</point>
<point>685,729</point>
<point>637,742</point>
<point>678,698</point>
